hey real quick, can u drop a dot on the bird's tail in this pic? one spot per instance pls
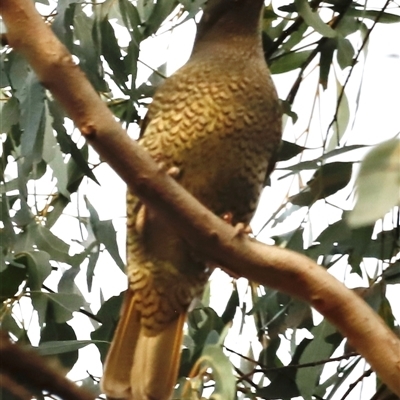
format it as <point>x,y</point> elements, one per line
<point>140,366</point>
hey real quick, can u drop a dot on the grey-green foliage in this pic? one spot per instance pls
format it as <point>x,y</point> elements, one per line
<point>39,149</point>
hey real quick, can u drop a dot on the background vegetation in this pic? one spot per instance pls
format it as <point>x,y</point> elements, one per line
<point>56,249</point>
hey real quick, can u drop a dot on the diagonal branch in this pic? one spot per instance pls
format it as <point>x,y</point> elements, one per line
<point>26,373</point>
<point>278,268</point>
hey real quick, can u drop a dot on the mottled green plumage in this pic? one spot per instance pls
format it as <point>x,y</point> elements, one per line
<point>218,120</point>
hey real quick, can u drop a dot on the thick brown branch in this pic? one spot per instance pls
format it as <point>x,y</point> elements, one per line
<point>278,268</point>
<point>28,369</point>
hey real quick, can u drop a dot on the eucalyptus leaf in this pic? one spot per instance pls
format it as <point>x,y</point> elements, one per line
<point>320,348</point>
<point>225,384</point>
<point>378,183</point>
<point>61,346</point>
<point>289,61</point>
<point>64,304</point>
<point>313,19</point>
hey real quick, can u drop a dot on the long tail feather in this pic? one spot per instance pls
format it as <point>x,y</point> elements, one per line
<point>117,368</point>
<point>139,366</point>
<point>156,362</point>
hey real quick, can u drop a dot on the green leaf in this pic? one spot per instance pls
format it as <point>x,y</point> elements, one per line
<point>314,164</point>
<point>7,233</point>
<point>54,246</point>
<point>320,348</point>
<point>289,150</point>
<point>64,304</point>
<point>295,38</point>
<point>341,120</point>
<point>9,324</point>
<point>53,157</point>
<point>347,26</point>
<point>345,52</point>
<point>202,321</point>
<point>231,307</point>
<point>93,258</point>
<point>329,179</point>
<point>145,9</point>
<point>282,386</point>
<point>9,115</point>
<point>67,145</point>
<point>109,316</point>
<point>225,383</point>
<point>38,267</point>
<point>159,13</point>
<point>105,233</point>
<point>387,18</point>
<point>289,61</point>
<point>88,54</point>
<point>112,54</point>
<point>10,280</point>
<point>378,183</point>
<point>61,346</point>
<point>327,49</point>
<point>31,97</point>
<point>313,19</point>
<point>55,333</point>
<point>391,275</point>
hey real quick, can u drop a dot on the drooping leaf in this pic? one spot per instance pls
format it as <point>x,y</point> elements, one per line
<point>320,348</point>
<point>313,19</point>
<point>51,244</point>
<point>59,333</point>
<point>384,17</point>
<point>7,233</point>
<point>112,54</point>
<point>329,179</point>
<point>231,307</point>
<point>88,54</point>
<point>378,183</point>
<point>341,119</point>
<point>105,234</point>
<point>289,150</point>
<point>53,157</point>
<point>326,52</point>
<point>68,146</point>
<point>10,280</point>
<point>31,97</point>
<point>391,275</point>
<point>225,385</point>
<point>145,9</point>
<point>38,267</point>
<point>314,164</point>
<point>289,61</point>
<point>159,13</point>
<point>108,315</point>
<point>345,52</point>
<point>9,114</point>
<point>48,348</point>
<point>64,304</point>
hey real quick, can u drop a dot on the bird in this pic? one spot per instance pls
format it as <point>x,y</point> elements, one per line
<point>215,126</point>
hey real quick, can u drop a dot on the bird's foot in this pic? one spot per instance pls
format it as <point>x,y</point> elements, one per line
<point>173,171</point>
<point>240,227</point>
<point>140,219</point>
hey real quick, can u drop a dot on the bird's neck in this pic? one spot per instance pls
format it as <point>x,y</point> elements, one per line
<point>229,30</point>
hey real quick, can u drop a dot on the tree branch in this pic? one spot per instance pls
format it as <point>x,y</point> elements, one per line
<point>26,373</point>
<point>275,267</point>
